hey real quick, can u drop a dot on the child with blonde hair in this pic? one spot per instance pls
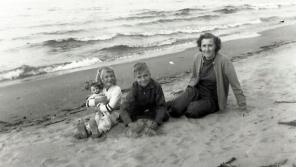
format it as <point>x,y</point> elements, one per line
<point>106,106</point>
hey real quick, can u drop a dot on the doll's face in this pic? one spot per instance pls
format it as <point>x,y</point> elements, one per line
<point>143,78</point>
<point>94,90</point>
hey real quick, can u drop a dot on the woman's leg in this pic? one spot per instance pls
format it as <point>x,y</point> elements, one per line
<point>180,104</point>
<point>200,108</point>
<point>161,115</point>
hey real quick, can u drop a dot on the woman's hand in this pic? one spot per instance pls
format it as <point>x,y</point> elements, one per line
<point>245,110</point>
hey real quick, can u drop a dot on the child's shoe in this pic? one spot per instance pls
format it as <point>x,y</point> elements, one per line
<point>80,132</point>
<point>94,129</point>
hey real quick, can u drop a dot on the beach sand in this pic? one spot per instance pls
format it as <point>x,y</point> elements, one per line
<point>35,132</point>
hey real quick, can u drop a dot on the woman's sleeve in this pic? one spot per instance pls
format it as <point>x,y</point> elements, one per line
<point>193,79</point>
<point>235,85</point>
<point>114,101</point>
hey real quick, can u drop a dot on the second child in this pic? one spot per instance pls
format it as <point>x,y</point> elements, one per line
<point>144,108</point>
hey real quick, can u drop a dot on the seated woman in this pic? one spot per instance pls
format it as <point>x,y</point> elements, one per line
<point>208,88</point>
<point>106,109</point>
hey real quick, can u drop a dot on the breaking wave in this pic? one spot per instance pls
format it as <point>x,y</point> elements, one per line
<point>27,71</point>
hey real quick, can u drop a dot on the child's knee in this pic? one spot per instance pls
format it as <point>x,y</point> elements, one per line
<point>114,116</point>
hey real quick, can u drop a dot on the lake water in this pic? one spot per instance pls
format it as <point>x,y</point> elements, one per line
<point>45,36</point>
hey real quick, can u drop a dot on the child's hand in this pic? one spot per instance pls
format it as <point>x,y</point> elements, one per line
<point>90,103</point>
<point>150,132</point>
<point>154,125</point>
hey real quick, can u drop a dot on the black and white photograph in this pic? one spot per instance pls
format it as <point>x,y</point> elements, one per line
<point>147,83</point>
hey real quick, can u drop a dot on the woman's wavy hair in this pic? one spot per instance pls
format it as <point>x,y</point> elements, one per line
<point>217,41</point>
<point>103,70</point>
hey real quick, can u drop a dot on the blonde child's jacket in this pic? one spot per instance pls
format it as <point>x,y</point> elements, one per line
<point>113,95</point>
<point>103,116</point>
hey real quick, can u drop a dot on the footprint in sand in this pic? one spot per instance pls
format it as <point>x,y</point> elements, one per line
<point>230,135</point>
<point>175,158</point>
<point>214,138</point>
<point>140,157</point>
<point>54,162</point>
<point>227,148</point>
<point>92,149</point>
<point>115,156</point>
<point>251,133</point>
<point>1,146</point>
<point>13,158</point>
<point>264,140</point>
<point>48,161</point>
<point>38,138</point>
<point>242,138</point>
<point>88,149</point>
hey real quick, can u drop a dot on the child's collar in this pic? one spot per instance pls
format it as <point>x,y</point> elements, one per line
<point>150,85</point>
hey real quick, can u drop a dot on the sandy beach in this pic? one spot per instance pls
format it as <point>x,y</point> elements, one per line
<point>37,131</point>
